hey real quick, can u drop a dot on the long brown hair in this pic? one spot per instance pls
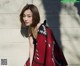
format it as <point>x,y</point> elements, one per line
<point>35,18</point>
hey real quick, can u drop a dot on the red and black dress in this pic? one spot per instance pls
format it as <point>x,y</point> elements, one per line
<point>46,52</point>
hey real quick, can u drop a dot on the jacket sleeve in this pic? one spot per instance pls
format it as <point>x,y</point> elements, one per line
<point>58,54</point>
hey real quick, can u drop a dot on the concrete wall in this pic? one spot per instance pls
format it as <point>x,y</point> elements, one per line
<point>13,46</point>
<point>62,18</point>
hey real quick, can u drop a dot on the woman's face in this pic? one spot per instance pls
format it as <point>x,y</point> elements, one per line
<point>27,17</point>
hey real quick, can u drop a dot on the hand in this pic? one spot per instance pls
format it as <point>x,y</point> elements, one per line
<point>24,64</point>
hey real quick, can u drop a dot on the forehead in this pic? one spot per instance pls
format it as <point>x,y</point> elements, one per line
<point>28,12</point>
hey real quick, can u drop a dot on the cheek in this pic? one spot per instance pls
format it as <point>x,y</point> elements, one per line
<point>31,19</point>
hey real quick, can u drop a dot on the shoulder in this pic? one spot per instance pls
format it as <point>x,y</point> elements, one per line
<point>42,29</point>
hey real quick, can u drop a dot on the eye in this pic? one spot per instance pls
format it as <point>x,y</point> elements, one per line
<point>29,16</point>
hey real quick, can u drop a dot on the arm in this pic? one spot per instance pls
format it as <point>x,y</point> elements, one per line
<point>58,53</point>
<point>31,49</point>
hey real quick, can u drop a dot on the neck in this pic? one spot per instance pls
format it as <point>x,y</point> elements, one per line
<point>34,30</point>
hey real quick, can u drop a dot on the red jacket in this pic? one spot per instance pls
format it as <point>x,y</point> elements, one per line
<point>47,52</point>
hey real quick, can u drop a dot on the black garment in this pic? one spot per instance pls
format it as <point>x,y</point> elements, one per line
<point>41,28</point>
<point>34,40</point>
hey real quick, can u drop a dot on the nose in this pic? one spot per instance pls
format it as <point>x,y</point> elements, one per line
<point>25,18</point>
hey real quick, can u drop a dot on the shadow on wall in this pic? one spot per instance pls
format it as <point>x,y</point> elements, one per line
<point>52,10</point>
<point>73,35</point>
<point>77,4</point>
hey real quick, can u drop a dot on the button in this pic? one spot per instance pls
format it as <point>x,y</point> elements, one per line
<point>36,50</point>
<point>38,58</point>
<point>37,54</point>
<point>45,41</point>
<point>49,45</point>
<point>52,59</point>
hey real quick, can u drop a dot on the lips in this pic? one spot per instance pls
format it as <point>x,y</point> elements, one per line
<point>26,22</point>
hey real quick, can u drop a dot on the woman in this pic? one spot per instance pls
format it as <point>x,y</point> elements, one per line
<point>41,40</point>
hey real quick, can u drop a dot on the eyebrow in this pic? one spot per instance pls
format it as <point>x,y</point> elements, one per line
<point>27,14</point>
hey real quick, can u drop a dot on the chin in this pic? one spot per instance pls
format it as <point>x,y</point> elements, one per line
<point>27,25</point>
